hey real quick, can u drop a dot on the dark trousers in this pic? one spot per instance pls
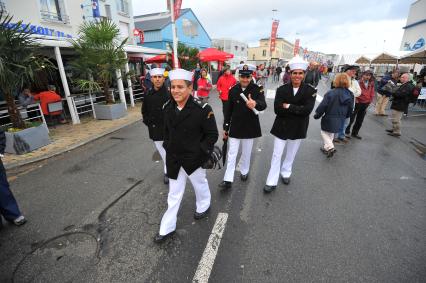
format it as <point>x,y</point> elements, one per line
<point>224,106</point>
<point>357,116</point>
<point>8,206</point>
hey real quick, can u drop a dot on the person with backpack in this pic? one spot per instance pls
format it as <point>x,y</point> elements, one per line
<point>384,94</point>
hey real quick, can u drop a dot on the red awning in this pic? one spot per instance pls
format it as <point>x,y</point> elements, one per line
<point>212,54</point>
<point>157,59</point>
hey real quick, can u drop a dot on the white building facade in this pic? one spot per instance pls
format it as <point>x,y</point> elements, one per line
<point>238,48</point>
<point>54,22</point>
<point>414,36</point>
<point>62,18</point>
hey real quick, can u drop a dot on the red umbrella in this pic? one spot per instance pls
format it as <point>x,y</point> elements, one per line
<point>163,58</point>
<point>157,59</point>
<point>212,54</point>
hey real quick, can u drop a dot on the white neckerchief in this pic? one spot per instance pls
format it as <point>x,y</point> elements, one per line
<point>295,90</point>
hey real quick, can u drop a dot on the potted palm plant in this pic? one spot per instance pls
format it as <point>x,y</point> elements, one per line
<point>19,62</point>
<point>99,54</point>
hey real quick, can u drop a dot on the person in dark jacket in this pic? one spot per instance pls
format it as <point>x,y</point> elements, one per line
<point>312,75</point>
<point>336,105</point>
<point>384,95</point>
<point>152,113</point>
<point>8,206</point>
<point>242,124</point>
<point>190,133</point>
<point>400,100</point>
<point>293,104</point>
<point>197,75</point>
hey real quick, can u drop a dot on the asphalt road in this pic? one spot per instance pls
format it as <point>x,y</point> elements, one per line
<point>358,217</point>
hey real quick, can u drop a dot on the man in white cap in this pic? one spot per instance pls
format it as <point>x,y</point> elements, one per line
<point>152,113</point>
<point>190,133</point>
<point>293,104</point>
<point>241,123</point>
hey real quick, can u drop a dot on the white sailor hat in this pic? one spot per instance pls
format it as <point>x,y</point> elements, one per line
<point>298,63</point>
<point>180,74</point>
<point>156,72</point>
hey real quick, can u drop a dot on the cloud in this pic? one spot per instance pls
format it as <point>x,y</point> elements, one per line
<point>332,26</point>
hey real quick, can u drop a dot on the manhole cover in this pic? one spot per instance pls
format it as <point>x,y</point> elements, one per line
<point>59,260</point>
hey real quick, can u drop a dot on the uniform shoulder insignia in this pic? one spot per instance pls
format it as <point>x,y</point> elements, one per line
<point>237,83</point>
<point>200,103</point>
<point>167,103</point>
<point>311,85</point>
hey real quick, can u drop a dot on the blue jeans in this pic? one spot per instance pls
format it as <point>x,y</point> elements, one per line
<point>345,123</point>
<point>8,206</point>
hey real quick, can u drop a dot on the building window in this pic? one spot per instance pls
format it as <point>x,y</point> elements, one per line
<point>236,47</point>
<point>123,6</point>
<point>254,57</point>
<point>53,10</point>
<point>190,28</point>
<point>108,11</point>
<point>264,53</point>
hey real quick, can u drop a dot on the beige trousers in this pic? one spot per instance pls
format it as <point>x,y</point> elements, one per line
<point>328,140</point>
<point>382,101</point>
<point>396,121</point>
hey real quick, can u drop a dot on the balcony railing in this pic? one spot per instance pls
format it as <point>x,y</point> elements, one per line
<point>55,17</point>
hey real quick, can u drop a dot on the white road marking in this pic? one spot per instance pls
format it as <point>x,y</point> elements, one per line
<point>319,98</point>
<point>207,260</point>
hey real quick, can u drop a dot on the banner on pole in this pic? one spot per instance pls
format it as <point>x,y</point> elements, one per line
<point>296,47</point>
<point>177,5</point>
<point>275,24</point>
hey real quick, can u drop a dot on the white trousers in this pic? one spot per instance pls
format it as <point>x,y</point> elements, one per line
<point>285,169</point>
<point>244,163</point>
<point>162,152</point>
<point>176,191</point>
<point>328,140</point>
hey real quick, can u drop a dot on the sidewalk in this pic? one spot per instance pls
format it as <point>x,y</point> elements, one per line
<point>67,137</point>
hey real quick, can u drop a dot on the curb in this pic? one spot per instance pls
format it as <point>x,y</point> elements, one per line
<point>15,165</point>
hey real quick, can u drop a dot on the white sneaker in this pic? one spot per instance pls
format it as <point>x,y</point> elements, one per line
<point>20,221</point>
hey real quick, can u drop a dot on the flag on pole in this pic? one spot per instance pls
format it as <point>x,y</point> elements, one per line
<point>177,5</point>
<point>275,24</point>
<point>296,47</point>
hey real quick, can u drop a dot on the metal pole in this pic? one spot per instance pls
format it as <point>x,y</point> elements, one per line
<point>74,116</point>
<point>121,88</point>
<point>129,84</point>
<point>175,39</point>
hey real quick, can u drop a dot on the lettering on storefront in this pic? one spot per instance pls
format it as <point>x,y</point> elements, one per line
<point>40,30</point>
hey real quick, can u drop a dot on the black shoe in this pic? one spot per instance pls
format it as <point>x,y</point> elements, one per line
<point>225,185</point>
<point>394,134</point>
<point>268,189</point>
<point>161,238</point>
<point>201,215</point>
<point>330,152</point>
<point>244,177</point>
<point>389,131</point>
<point>165,180</point>
<point>357,136</point>
<point>286,181</point>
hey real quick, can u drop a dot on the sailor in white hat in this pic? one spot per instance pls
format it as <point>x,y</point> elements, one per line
<point>152,113</point>
<point>190,133</point>
<point>293,104</point>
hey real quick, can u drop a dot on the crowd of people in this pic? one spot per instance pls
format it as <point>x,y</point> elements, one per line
<point>187,141</point>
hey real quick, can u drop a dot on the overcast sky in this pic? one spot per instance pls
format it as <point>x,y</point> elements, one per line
<point>330,26</point>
